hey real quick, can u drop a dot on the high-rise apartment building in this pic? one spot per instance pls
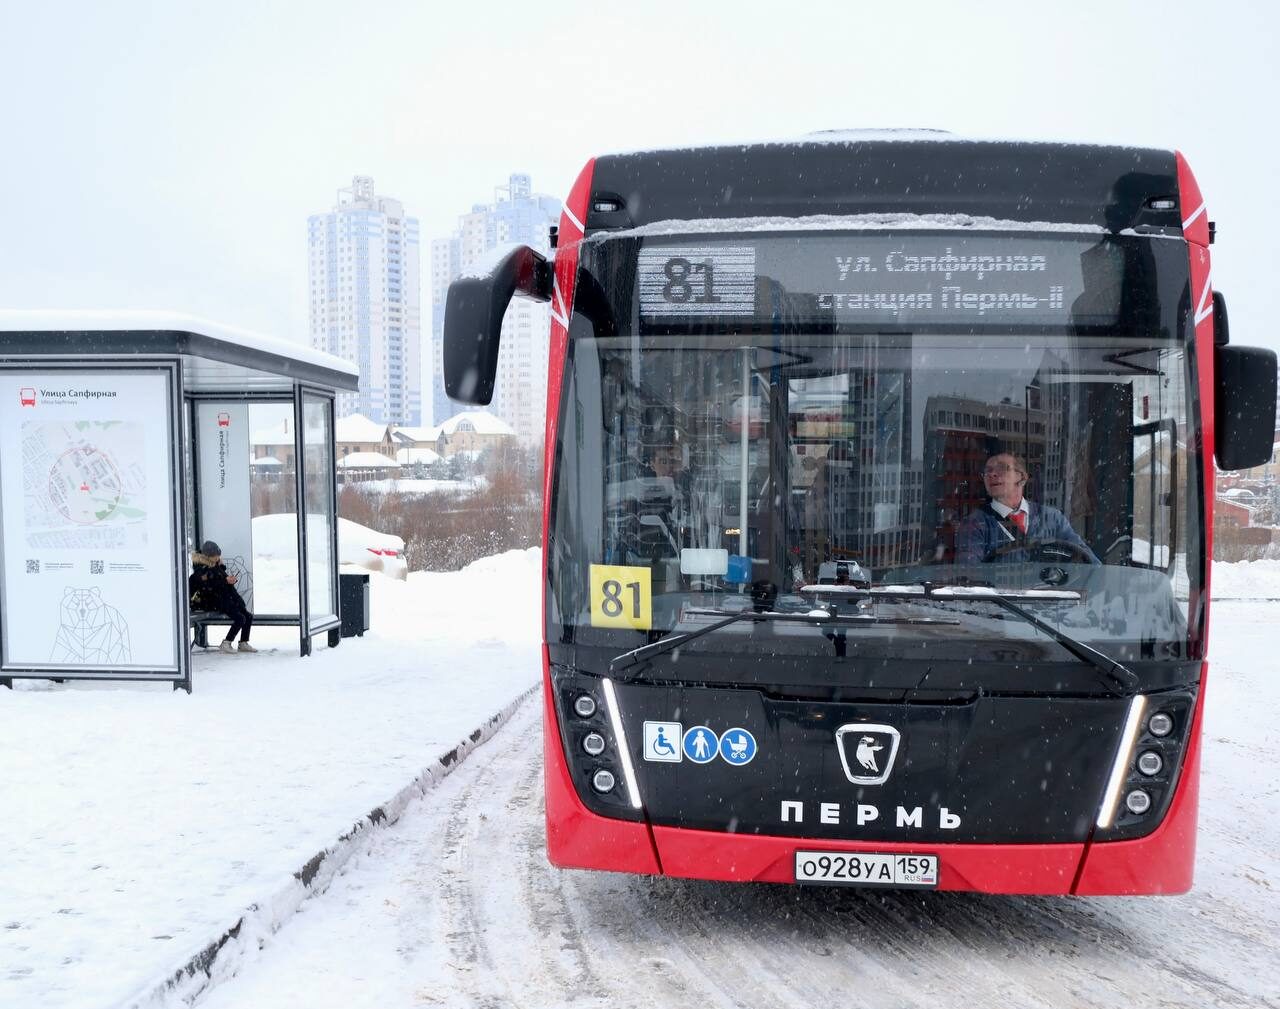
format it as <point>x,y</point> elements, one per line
<point>517,216</point>
<point>365,286</point>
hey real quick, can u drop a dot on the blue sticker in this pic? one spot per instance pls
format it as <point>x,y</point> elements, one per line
<point>701,744</point>
<point>737,746</point>
<point>739,572</point>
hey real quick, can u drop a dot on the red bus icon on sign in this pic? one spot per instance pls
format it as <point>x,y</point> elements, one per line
<point>27,396</point>
<point>224,420</point>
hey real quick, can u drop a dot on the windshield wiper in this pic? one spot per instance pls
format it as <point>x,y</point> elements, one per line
<point>828,616</point>
<point>1119,677</point>
<point>1116,675</point>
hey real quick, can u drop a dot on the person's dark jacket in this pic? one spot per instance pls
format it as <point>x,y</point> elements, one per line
<point>208,587</point>
<point>984,531</point>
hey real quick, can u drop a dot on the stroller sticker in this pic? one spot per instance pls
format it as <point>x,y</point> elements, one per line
<point>737,747</point>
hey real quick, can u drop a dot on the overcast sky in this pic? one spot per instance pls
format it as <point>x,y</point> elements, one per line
<point>166,155</point>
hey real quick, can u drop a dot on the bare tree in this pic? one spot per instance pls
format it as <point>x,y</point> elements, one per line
<point>449,529</point>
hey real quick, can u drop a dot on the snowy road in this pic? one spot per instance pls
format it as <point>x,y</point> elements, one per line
<point>457,906</point>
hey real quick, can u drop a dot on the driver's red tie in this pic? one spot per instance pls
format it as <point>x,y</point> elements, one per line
<point>1020,520</point>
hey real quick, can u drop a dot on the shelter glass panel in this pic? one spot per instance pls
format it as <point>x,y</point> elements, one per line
<point>88,493</point>
<point>317,419</point>
<point>273,506</point>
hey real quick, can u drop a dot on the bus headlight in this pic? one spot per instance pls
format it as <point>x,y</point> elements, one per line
<point>1161,724</point>
<point>592,736</point>
<point>1146,763</point>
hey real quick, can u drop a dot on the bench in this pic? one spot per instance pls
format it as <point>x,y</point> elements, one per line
<point>200,621</point>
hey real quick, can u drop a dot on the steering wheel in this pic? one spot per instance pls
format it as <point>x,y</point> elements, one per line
<point>1043,552</point>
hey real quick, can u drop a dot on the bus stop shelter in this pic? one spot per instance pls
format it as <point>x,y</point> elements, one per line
<point>126,440</point>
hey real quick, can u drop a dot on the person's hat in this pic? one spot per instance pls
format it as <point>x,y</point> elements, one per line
<point>211,549</point>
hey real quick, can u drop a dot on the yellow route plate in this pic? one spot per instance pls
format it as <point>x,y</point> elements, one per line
<point>621,597</point>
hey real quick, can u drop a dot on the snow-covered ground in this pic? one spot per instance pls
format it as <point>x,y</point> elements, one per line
<point>456,906</point>
<point>1247,580</point>
<point>137,823</point>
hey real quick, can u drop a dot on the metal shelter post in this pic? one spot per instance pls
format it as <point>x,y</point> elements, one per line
<point>300,513</point>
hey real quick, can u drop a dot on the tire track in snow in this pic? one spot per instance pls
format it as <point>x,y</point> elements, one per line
<point>737,945</point>
<point>491,828</point>
<point>482,919</point>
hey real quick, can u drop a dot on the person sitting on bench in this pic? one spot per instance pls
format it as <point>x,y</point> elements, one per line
<point>212,588</point>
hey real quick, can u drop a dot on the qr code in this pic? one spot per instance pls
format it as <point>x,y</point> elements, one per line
<point>33,567</point>
<point>95,567</point>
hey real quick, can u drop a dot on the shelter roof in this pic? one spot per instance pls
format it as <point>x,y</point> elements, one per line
<point>215,358</point>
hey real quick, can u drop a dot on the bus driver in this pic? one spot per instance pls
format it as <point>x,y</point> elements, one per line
<point>1008,528</point>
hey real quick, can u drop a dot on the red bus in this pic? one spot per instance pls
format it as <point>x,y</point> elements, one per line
<point>878,503</point>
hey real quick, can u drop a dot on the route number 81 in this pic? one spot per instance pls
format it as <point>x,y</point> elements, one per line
<point>611,605</point>
<point>681,273</point>
<point>621,596</point>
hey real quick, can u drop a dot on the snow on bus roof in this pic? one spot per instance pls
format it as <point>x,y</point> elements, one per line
<point>846,222</point>
<point>856,135</point>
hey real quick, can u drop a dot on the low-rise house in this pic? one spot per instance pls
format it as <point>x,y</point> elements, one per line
<point>431,438</point>
<point>357,433</point>
<point>474,431</point>
<point>274,442</point>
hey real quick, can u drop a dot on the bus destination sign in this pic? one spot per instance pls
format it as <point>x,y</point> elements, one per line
<point>886,279</point>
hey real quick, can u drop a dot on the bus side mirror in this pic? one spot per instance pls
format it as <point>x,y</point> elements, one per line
<point>1244,410</point>
<point>473,313</point>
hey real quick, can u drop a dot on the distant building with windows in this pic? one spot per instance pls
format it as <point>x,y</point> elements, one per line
<point>517,216</point>
<point>365,294</point>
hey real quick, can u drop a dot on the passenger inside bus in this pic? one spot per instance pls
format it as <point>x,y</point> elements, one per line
<point>650,505</point>
<point>1009,528</point>
<point>666,461</point>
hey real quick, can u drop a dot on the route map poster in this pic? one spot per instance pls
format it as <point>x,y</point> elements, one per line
<point>86,494</point>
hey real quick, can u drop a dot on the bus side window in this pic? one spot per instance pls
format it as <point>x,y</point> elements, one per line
<point>1154,479</point>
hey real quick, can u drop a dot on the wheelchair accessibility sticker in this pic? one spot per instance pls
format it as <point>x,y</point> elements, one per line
<point>662,741</point>
<point>701,744</point>
<point>737,746</point>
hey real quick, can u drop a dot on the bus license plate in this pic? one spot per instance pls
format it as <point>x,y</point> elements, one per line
<point>853,868</point>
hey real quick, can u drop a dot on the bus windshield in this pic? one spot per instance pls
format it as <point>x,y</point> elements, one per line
<point>710,466</point>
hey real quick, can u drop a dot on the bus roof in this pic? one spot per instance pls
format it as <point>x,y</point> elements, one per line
<point>850,173</point>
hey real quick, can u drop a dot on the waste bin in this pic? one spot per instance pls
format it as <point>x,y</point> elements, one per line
<point>353,591</point>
